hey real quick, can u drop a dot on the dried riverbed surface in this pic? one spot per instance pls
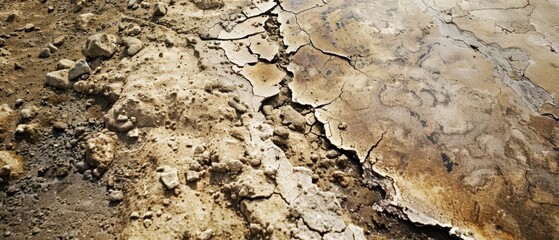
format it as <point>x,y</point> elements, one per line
<point>290,119</point>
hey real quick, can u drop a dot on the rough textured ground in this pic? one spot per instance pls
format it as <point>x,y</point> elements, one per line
<point>290,119</point>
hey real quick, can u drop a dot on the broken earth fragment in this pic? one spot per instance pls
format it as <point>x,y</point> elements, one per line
<point>265,48</point>
<point>101,150</point>
<point>264,78</point>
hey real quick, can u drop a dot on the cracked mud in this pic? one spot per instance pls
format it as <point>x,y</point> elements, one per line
<point>289,119</point>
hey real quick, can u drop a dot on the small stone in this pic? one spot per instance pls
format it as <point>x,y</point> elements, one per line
<point>134,133</point>
<point>57,41</point>
<point>17,66</point>
<point>132,3</point>
<point>19,102</point>
<point>205,235</point>
<point>11,17</point>
<point>101,44</point>
<point>148,214</point>
<point>64,64</point>
<point>147,223</point>
<point>28,113</point>
<point>134,215</point>
<point>135,30</point>
<point>80,68</point>
<point>219,167</point>
<point>50,9</point>
<point>29,27</point>
<point>7,233</point>
<point>116,196</point>
<point>81,166</point>
<point>342,126</point>
<point>2,42</point>
<point>333,154</point>
<point>133,45</point>
<point>44,53</point>
<point>159,9</point>
<point>192,176</point>
<point>169,42</point>
<point>35,230</point>
<point>170,177</point>
<point>235,166</point>
<point>52,48</point>
<point>58,79</point>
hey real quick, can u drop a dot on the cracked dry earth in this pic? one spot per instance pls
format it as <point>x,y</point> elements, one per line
<point>289,119</point>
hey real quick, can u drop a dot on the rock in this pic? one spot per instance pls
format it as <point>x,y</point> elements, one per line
<point>78,69</point>
<point>29,112</point>
<point>192,176</point>
<point>209,4</point>
<point>159,9</point>
<point>17,66</point>
<point>219,167</point>
<point>101,44</point>
<point>133,45</point>
<point>50,9</point>
<point>134,133</point>
<point>44,53</point>
<point>52,48</point>
<point>169,41</point>
<point>12,16</point>
<point>135,30</point>
<point>293,119</point>
<point>134,215</point>
<point>19,102</point>
<point>147,223</point>
<point>235,166</point>
<point>5,172</point>
<point>57,41</point>
<point>81,166</point>
<point>333,154</point>
<point>100,150</point>
<point>29,27</point>
<point>116,196</point>
<point>2,42</point>
<point>205,235</point>
<point>64,64</point>
<point>131,3</point>
<point>169,177</point>
<point>83,21</point>
<point>58,79</point>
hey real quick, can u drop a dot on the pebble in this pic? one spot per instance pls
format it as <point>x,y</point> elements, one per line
<point>58,79</point>
<point>333,154</point>
<point>80,68</point>
<point>133,45</point>
<point>29,27</point>
<point>134,215</point>
<point>45,53</point>
<point>64,64</point>
<point>2,42</point>
<point>101,44</point>
<point>116,196</point>
<point>159,9</point>
<point>57,41</point>
<point>135,30</point>
<point>205,235</point>
<point>147,223</point>
<point>170,178</point>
